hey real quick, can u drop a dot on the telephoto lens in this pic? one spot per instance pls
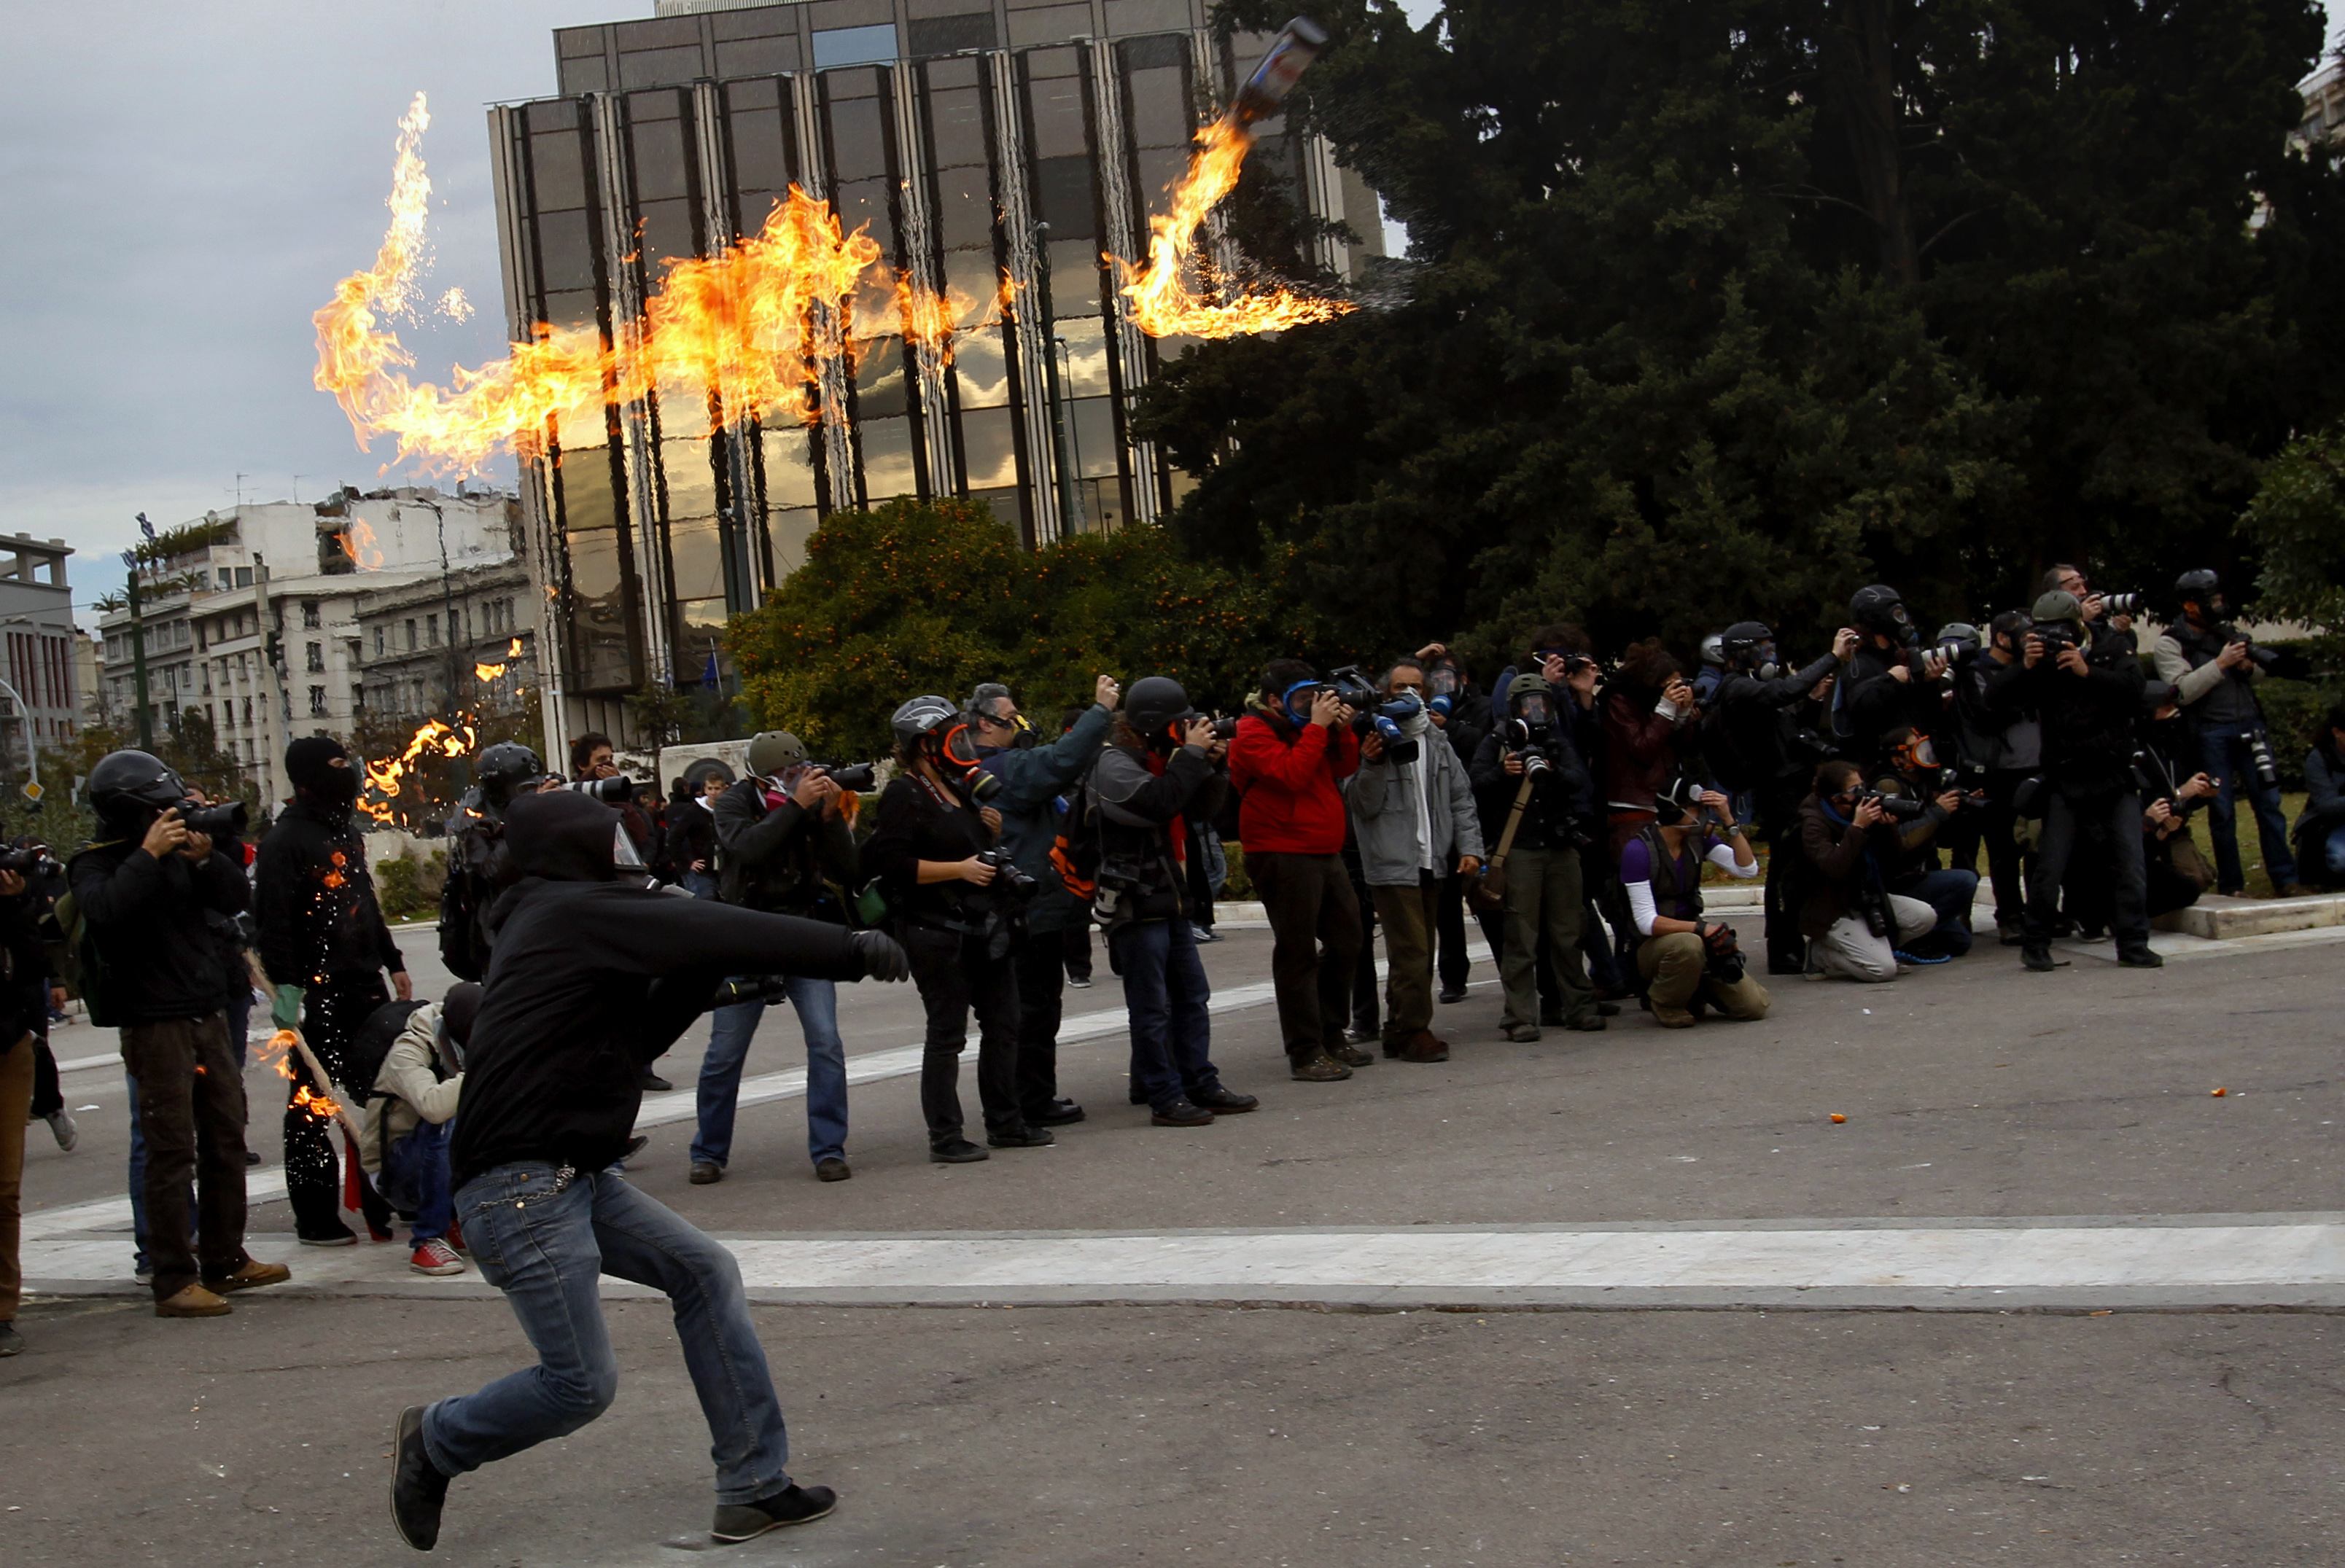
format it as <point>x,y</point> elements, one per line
<point>1535,762</point>
<point>1225,729</point>
<point>611,790</point>
<point>861,778</point>
<point>2260,753</point>
<point>2123,603</point>
<point>213,821</point>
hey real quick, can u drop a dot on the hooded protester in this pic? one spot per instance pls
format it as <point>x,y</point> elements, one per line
<point>323,942</point>
<point>593,975</point>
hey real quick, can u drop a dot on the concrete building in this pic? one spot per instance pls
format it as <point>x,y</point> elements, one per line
<point>42,704</point>
<point>89,679</point>
<point>255,624</point>
<point>2324,106</point>
<point>979,140</point>
<point>466,641</point>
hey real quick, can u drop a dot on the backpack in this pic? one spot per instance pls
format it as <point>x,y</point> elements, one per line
<point>371,1045</point>
<point>80,964</point>
<point>1075,850</point>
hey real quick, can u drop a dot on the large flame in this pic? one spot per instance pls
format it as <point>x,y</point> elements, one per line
<point>357,541</point>
<point>434,736</point>
<point>278,1053</point>
<point>1163,299</point>
<point>728,337</point>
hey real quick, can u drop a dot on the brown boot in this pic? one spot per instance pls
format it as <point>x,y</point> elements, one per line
<point>1422,1047</point>
<point>1673,1018</point>
<point>1317,1069</point>
<point>253,1273</point>
<point>192,1301</point>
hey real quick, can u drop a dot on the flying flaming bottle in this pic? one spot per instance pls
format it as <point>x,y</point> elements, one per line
<point>1297,45</point>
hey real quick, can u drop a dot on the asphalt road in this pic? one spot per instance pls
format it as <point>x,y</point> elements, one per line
<point>1197,1434</point>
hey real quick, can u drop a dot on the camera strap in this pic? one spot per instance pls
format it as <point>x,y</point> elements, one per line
<point>1514,821</point>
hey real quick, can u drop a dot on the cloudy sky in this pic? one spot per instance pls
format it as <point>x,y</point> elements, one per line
<point>184,184</point>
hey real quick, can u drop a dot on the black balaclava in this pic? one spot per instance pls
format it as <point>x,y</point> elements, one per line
<point>309,763</point>
<point>561,836</point>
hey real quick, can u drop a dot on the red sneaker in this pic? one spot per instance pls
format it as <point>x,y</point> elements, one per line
<point>435,1257</point>
<point>456,1237</point>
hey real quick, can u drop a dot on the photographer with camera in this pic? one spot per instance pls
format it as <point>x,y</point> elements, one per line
<point>1460,715</point>
<point>2213,667</point>
<point>1413,816</point>
<point>2320,827</point>
<point>325,948</point>
<point>1156,786</point>
<point>2087,689</point>
<point>1650,713</point>
<point>149,964</point>
<point>1538,814</point>
<point>1922,797</point>
<point>1033,778</point>
<point>2119,609</point>
<point>1293,750</point>
<point>2166,771</point>
<point>501,774</point>
<point>593,762</point>
<point>595,974</point>
<point>1854,923</point>
<point>955,900</point>
<point>1746,744</point>
<point>2000,744</point>
<point>1891,682</point>
<point>786,843</point>
<point>1688,964</point>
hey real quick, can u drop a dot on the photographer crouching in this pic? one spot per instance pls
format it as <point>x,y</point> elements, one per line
<point>1688,964</point>
<point>955,899</point>
<point>1157,787</point>
<point>1854,923</point>
<point>786,847</point>
<point>1921,796</point>
<point>142,890</point>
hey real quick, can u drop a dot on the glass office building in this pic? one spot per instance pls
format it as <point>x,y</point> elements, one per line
<point>977,139</point>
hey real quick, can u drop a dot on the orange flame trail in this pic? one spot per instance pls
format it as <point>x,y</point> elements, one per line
<point>1163,301</point>
<point>386,777</point>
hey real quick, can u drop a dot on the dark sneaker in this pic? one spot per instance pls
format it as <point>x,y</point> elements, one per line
<point>1223,1102</point>
<point>252,1274</point>
<point>1319,1069</point>
<point>2038,958</point>
<point>2141,959</point>
<point>1522,1034</point>
<point>417,1490</point>
<point>747,1521</point>
<point>11,1344</point>
<point>340,1235</point>
<point>956,1151</point>
<point>1608,1009</point>
<point>1181,1112</point>
<point>1586,1023</point>
<point>706,1173</point>
<point>1350,1057</point>
<point>1057,1113</point>
<point>1079,982</point>
<point>1020,1138</point>
<point>831,1169</point>
<point>1357,1035</point>
<point>1452,994</point>
<point>651,1083</point>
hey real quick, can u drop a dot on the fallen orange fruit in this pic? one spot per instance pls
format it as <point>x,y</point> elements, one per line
<point>2220,1093</point>
<point>1837,1117</point>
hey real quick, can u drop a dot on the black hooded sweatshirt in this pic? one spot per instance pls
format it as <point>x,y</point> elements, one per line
<point>314,902</point>
<point>591,978</point>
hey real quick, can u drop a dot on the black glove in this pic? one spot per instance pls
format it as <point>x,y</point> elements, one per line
<point>1718,937</point>
<point>883,958</point>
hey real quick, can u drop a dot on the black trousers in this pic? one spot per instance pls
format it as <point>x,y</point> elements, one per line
<point>956,978</point>
<point>2113,822</point>
<point>1367,1003</point>
<point>1450,963</point>
<point>1787,950</point>
<point>331,1016</point>
<point>1314,927</point>
<point>1041,968</point>
<point>1993,826</point>
<point>1076,941</point>
<point>191,1113</point>
<point>48,1095</point>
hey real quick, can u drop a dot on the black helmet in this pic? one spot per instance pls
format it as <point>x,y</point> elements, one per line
<point>2201,585</point>
<point>2156,694</point>
<point>1738,642</point>
<point>1881,609</point>
<point>504,769</point>
<point>919,716</point>
<point>1156,704</point>
<point>125,788</point>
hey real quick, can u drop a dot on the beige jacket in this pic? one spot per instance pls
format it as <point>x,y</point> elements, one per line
<point>407,1092</point>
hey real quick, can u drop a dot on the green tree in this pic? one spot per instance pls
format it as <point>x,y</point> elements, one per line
<point>2297,524</point>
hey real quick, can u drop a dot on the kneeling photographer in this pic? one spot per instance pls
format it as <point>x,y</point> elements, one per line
<point>955,901</point>
<point>1539,813</point>
<point>1919,794</point>
<point>1156,787</point>
<point>1854,923</point>
<point>1688,964</point>
<point>785,845</point>
<point>2165,767</point>
<point>2087,688</point>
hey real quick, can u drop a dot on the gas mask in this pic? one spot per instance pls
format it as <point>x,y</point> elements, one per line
<point>954,752</point>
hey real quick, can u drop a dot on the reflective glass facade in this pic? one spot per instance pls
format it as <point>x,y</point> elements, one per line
<point>976,141</point>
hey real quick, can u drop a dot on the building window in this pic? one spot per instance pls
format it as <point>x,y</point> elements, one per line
<point>244,577</point>
<point>247,709</point>
<point>318,701</point>
<point>310,615</point>
<point>378,642</point>
<point>432,629</point>
<point>410,636</point>
<point>225,576</point>
<point>317,659</point>
<point>455,629</point>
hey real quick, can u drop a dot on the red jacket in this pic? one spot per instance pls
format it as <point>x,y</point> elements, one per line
<point>1288,802</point>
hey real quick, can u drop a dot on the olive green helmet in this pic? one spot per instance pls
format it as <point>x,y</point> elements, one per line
<point>772,752</point>
<point>2057,606</point>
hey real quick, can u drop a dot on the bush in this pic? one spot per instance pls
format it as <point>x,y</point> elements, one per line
<point>2294,711</point>
<point>407,886</point>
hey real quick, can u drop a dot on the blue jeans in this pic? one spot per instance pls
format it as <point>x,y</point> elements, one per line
<point>1166,993</point>
<point>2332,854</point>
<point>544,1242</point>
<point>2224,754</point>
<point>730,1030</point>
<point>1950,894</point>
<point>415,1178</point>
<point>700,884</point>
